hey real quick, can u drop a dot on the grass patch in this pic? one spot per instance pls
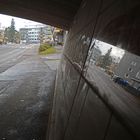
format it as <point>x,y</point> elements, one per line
<point>45,49</point>
<point>48,51</point>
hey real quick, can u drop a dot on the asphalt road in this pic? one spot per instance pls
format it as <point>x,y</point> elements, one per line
<point>26,90</point>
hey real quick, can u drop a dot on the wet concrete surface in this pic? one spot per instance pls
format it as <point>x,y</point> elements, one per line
<point>26,91</point>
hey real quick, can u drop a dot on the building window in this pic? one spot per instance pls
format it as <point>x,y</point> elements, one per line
<point>130,69</point>
<point>126,75</point>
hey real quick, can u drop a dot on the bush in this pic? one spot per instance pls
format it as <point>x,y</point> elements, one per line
<point>44,47</point>
<point>48,51</point>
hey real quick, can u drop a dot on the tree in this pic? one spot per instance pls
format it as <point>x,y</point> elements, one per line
<point>6,33</point>
<point>17,37</point>
<point>106,59</point>
<point>1,36</point>
<point>10,32</point>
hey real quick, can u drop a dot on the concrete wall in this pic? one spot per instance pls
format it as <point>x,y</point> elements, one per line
<point>85,109</point>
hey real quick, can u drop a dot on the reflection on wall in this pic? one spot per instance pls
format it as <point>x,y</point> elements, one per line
<point>129,69</point>
<point>110,69</point>
<point>105,56</point>
<point>109,108</point>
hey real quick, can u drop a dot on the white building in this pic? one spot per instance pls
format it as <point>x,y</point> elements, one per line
<point>31,33</point>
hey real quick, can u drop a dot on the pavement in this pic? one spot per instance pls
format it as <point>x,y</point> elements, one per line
<point>52,60</point>
<point>26,92</point>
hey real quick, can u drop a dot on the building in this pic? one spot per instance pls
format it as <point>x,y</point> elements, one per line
<point>129,69</point>
<point>33,34</point>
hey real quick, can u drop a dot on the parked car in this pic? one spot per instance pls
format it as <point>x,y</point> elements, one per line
<point>120,81</point>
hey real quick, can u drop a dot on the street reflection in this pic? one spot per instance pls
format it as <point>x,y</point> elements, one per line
<point>112,69</point>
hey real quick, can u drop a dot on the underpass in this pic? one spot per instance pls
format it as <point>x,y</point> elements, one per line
<point>26,90</point>
<point>80,111</point>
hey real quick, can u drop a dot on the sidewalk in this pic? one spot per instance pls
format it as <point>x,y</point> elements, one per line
<point>52,60</point>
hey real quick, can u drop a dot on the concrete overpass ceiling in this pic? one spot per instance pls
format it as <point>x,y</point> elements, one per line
<point>58,13</point>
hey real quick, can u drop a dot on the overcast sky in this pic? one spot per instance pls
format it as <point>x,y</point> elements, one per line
<point>104,47</point>
<point>19,22</point>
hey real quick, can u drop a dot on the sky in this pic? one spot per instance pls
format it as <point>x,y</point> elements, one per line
<point>104,47</point>
<point>5,21</point>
